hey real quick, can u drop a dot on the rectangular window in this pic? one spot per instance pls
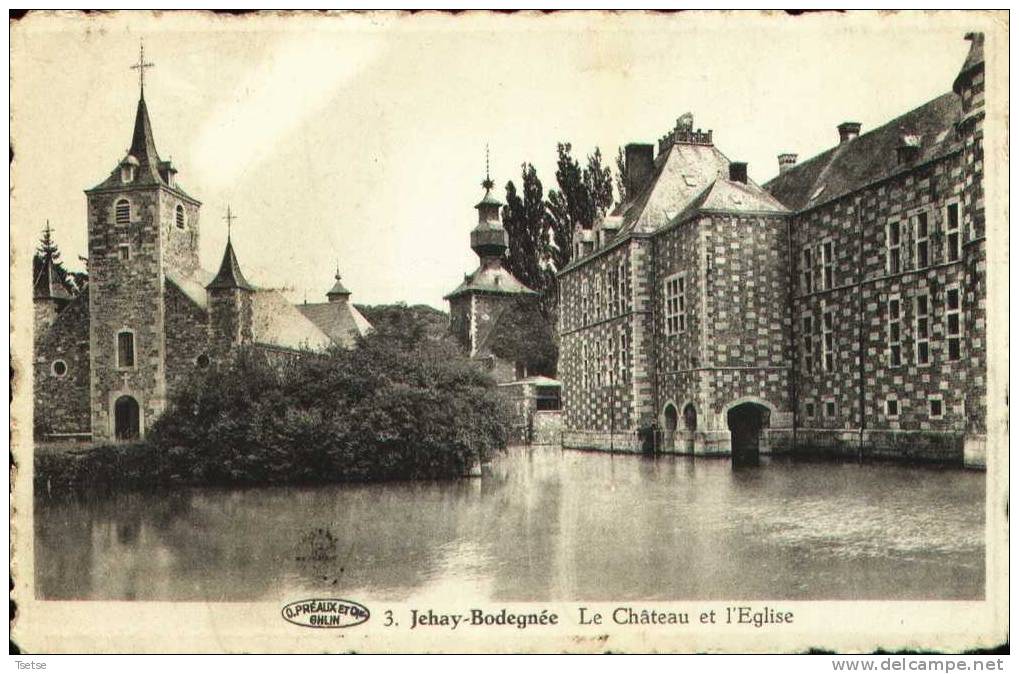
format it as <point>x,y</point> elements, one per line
<point>808,270</point>
<point>125,349</point>
<point>937,407</point>
<point>922,238</point>
<point>124,252</point>
<point>894,246</point>
<point>585,296</point>
<point>830,410</point>
<point>923,330</point>
<point>675,305</point>
<point>892,408</point>
<point>808,343</point>
<point>828,265</point>
<point>597,298</point>
<point>828,340</point>
<point>953,322</point>
<point>624,355</point>
<point>810,410</point>
<point>624,287</point>
<point>953,238</point>
<point>613,292</point>
<point>894,332</point>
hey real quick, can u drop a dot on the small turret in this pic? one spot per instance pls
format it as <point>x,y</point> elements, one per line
<point>230,311</point>
<point>338,293</point>
<point>489,240</point>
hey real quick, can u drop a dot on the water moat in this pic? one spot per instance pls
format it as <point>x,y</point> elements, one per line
<point>542,524</point>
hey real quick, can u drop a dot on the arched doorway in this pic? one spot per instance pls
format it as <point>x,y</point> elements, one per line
<point>126,418</point>
<point>746,423</point>
<point>690,426</point>
<point>671,424</point>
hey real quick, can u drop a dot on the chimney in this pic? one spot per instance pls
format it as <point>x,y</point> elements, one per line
<point>738,171</point>
<point>786,161</point>
<point>640,164</point>
<point>848,131</point>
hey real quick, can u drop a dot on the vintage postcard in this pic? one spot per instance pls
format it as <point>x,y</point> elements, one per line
<point>509,332</point>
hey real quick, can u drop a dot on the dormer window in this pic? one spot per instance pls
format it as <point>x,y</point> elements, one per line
<point>128,167</point>
<point>180,217</point>
<point>122,212</point>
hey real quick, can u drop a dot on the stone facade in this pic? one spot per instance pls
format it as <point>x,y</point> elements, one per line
<point>107,361</point>
<point>62,391</point>
<point>840,308</point>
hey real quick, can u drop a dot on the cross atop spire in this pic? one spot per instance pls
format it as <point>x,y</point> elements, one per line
<point>230,217</point>
<point>141,66</point>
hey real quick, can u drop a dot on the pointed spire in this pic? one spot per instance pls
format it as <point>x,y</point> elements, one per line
<point>338,291</point>
<point>229,275</point>
<point>143,146</point>
<point>47,286</point>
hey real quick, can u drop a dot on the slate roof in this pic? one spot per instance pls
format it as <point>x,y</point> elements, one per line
<point>687,178</point>
<point>277,322</point>
<point>229,275</point>
<point>869,157</point>
<point>537,380</point>
<point>47,286</point>
<point>493,279</point>
<point>193,285</point>
<point>731,196</point>
<point>143,150</point>
<point>340,321</point>
<point>681,173</point>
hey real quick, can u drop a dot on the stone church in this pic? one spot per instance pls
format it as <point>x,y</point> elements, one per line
<point>107,360</point>
<point>839,306</point>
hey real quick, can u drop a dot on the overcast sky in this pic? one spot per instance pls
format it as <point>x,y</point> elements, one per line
<point>360,139</point>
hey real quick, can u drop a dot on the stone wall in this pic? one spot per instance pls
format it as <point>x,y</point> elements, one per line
<point>735,345</point>
<point>180,244</point>
<point>460,320</point>
<point>602,353</point>
<point>861,296</point>
<point>187,326</point>
<point>971,129</point>
<point>61,402</point>
<point>126,295</point>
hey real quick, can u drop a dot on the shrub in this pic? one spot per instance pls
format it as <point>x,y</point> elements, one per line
<point>395,407</point>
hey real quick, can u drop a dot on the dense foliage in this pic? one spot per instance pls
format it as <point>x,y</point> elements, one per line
<point>402,405</point>
<point>540,230</point>
<point>524,336</point>
<point>73,281</point>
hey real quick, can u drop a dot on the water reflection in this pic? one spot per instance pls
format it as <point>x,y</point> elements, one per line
<point>541,525</point>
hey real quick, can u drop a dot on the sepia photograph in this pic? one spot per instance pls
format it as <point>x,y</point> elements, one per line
<point>518,332</point>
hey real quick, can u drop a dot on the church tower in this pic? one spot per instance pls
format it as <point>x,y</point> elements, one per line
<point>477,304</point>
<point>141,226</point>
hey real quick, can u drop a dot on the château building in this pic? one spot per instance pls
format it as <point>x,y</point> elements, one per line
<point>839,306</point>
<point>107,361</point>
